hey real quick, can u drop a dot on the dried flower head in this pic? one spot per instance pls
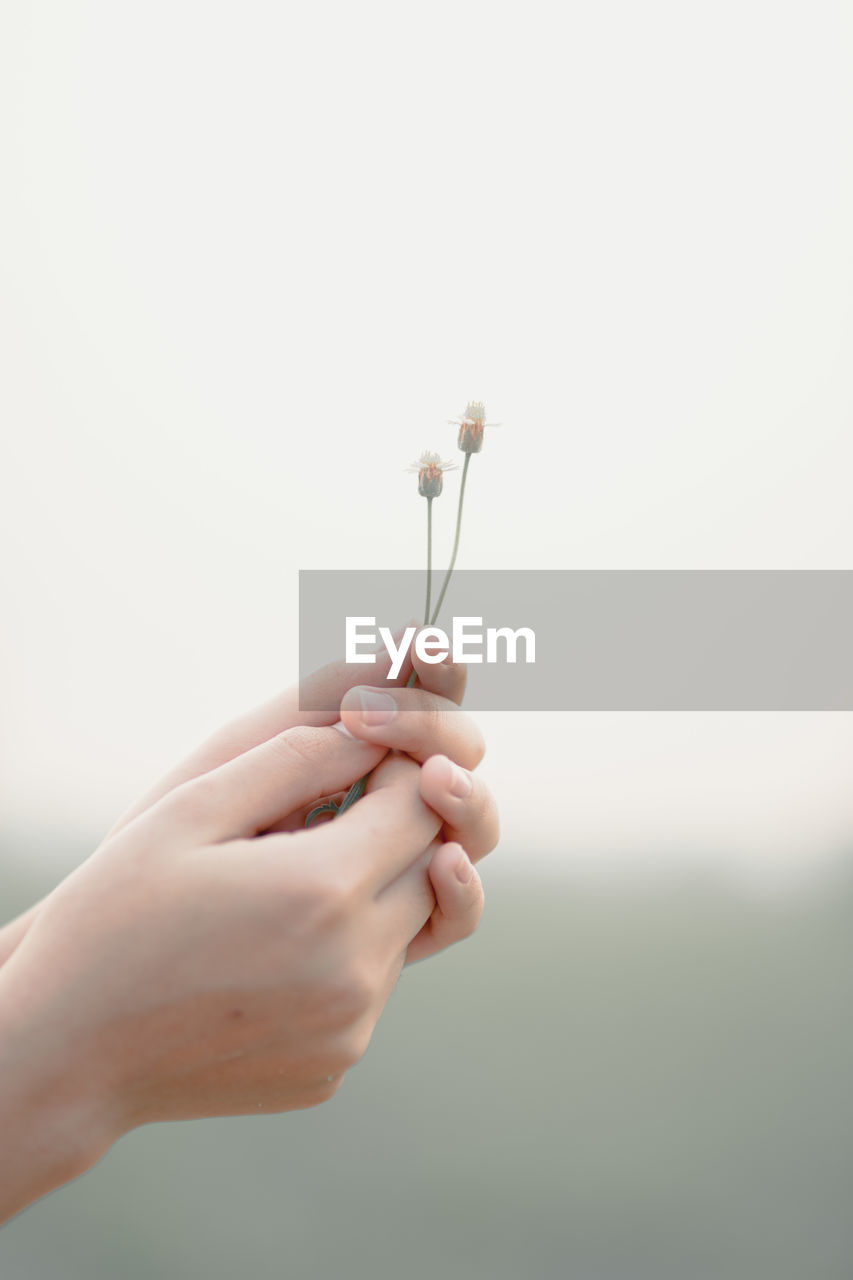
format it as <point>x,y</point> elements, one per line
<point>431,469</point>
<point>471,426</point>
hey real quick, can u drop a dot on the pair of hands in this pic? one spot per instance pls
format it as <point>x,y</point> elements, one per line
<point>214,957</point>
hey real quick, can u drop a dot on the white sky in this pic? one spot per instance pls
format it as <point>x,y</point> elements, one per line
<point>252,257</point>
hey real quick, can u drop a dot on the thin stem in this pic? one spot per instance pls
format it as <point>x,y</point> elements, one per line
<point>355,792</point>
<point>413,677</point>
<point>429,561</point>
<point>357,789</point>
<point>449,573</point>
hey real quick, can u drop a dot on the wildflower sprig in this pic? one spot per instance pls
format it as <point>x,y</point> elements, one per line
<point>430,471</point>
<point>471,426</point>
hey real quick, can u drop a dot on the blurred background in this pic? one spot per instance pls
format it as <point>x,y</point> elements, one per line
<point>252,258</point>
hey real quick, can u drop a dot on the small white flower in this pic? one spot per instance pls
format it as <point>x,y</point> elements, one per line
<point>471,426</point>
<point>430,469</point>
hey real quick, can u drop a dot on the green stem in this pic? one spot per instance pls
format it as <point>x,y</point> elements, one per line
<point>429,561</point>
<point>356,791</point>
<point>413,677</point>
<point>449,573</point>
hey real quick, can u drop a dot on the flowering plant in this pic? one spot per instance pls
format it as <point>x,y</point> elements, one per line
<point>430,470</point>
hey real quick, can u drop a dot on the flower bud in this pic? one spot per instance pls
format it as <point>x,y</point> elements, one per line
<point>471,426</point>
<point>431,469</point>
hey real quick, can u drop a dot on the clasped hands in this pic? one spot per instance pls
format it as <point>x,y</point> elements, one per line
<point>214,956</point>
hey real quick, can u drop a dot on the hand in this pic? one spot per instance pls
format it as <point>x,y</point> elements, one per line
<point>473,824</point>
<point>195,967</point>
<point>421,723</point>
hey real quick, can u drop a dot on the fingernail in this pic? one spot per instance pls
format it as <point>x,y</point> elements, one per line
<point>376,708</point>
<point>460,782</point>
<point>464,869</point>
<point>341,728</point>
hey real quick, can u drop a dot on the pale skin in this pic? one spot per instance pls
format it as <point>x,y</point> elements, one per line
<point>214,957</point>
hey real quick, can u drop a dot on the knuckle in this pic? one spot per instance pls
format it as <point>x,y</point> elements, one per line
<point>227,742</point>
<point>397,771</point>
<point>332,901</point>
<point>425,721</point>
<point>347,996</point>
<point>435,718</point>
<point>302,746</point>
<point>191,802</point>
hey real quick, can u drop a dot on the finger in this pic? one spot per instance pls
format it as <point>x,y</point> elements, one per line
<point>13,933</point>
<point>323,688</point>
<point>376,840</point>
<point>458,903</point>
<point>420,723</point>
<point>405,906</point>
<point>298,818</point>
<point>469,815</point>
<point>465,804</point>
<point>444,678</point>
<point>259,788</point>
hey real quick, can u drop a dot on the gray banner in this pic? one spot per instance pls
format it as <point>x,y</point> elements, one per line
<point>618,640</point>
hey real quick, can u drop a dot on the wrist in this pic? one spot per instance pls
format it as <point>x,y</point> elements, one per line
<point>57,1115</point>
